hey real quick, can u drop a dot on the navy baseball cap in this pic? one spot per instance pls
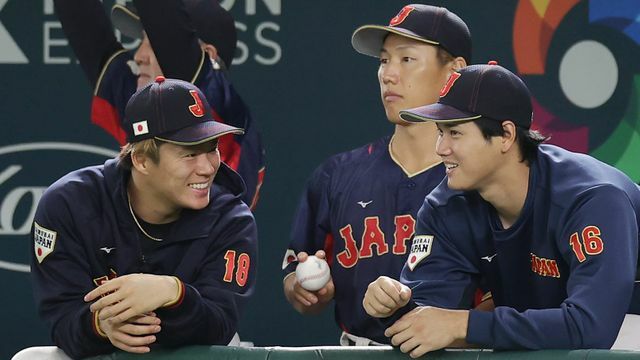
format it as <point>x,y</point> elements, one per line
<point>174,111</point>
<point>476,91</point>
<point>213,24</point>
<point>429,24</point>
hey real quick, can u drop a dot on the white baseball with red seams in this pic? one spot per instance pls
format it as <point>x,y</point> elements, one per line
<point>313,274</point>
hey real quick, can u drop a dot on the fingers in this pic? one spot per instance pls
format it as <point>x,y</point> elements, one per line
<point>138,330</point>
<point>145,320</point>
<point>384,296</point>
<point>302,256</point>
<point>397,328</point>
<point>320,254</point>
<point>419,351</point>
<point>303,296</point>
<point>106,288</point>
<point>408,345</point>
<point>132,344</point>
<point>105,301</point>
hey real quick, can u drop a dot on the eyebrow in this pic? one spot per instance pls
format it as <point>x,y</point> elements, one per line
<point>400,47</point>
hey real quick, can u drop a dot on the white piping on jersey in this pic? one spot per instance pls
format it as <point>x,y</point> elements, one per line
<point>406,172</point>
<point>104,69</point>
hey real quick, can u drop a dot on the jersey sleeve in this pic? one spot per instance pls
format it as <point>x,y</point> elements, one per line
<point>102,59</point>
<point>438,270</point>
<point>212,303</point>
<point>61,277</point>
<point>311,229</point>
<point>599,241</point>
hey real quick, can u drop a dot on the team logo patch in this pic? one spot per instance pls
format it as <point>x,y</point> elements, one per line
<point>289,257</point>
<point>44,240</point>
<point>398,19</point>
<point>196,109</point>
<point>140,128</point>
<point>452,79</point>
<point>420,249</point>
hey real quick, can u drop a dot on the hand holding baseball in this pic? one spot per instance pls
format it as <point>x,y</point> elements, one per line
<point>385,296</point>
<point>303,300</point>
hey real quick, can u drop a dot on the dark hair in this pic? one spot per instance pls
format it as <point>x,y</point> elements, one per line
<point>444,57</point>
<point>528,140</point>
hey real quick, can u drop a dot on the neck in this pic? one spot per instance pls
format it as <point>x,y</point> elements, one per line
<point>147,204</point>
<point>508,192</point>
<point>414,147</point>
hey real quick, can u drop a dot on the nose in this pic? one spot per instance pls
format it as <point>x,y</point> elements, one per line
<point>389,73</point>
<point>443,146</point>
<point>208,163</point>
<point>141,55</point>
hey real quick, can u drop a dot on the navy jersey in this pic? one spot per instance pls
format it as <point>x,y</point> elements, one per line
<point>84,234</point>
<point>109,68</point>
<point>561,276</point>
<point>360,207</point>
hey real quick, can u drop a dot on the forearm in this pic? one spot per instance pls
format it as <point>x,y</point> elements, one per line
<point>89,32</point>
<point>199,320</point>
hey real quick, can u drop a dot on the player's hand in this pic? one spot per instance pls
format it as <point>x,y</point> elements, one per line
<point>134,335</point>
<point>427,328</point>
<point>131,295</point>
<point>305,301</point>
<point>385,296</point>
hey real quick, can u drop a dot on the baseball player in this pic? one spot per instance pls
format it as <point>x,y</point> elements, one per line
<point>359,207</point>
<point>169,46</point>
<point>154,247</point>
<point>554,233</point>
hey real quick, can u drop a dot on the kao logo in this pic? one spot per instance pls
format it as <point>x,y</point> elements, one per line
<point>26,170</point>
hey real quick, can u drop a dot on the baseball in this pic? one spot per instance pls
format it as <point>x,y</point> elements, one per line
<point>313,274</point>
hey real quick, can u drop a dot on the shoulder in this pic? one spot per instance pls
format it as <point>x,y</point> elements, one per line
<point>353,159</point>
<point>569,175</point>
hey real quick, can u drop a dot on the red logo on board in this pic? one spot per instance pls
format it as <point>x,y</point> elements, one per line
<point>398,19</point>
<point>452,79</point>
<point>196,109</point>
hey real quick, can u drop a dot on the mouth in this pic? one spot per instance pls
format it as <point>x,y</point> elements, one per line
<point>450,167</point>
<point>199,186</point>
<point>391,96</point>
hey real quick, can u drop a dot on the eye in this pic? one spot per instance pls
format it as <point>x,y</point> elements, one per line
<point>408,59</point>
<point>455,133</point>
<point>383,61</point>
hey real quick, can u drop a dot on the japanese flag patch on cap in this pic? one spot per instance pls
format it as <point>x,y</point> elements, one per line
<point>420,249</point>
<point>44,240</point>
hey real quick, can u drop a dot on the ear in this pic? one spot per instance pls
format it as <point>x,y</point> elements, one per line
<point>140,162</point>
<point>458,63</point>
<point>508,139</point>
<point>210,50</point>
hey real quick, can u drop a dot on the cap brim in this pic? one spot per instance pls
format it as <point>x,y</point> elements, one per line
<point>199,133</point>
<point>437,113</point>
<point>368,39</point>
<point>126,21</point>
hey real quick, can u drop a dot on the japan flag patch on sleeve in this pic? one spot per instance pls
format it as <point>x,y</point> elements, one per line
<point>420,249</point>
<point>44,240</point>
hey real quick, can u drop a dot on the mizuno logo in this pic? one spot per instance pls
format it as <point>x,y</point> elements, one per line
<point>107,249</point>
<point>364,204</point>
<point>489,258</point>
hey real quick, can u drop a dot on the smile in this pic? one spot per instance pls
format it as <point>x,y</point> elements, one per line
<point>199,186</point>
